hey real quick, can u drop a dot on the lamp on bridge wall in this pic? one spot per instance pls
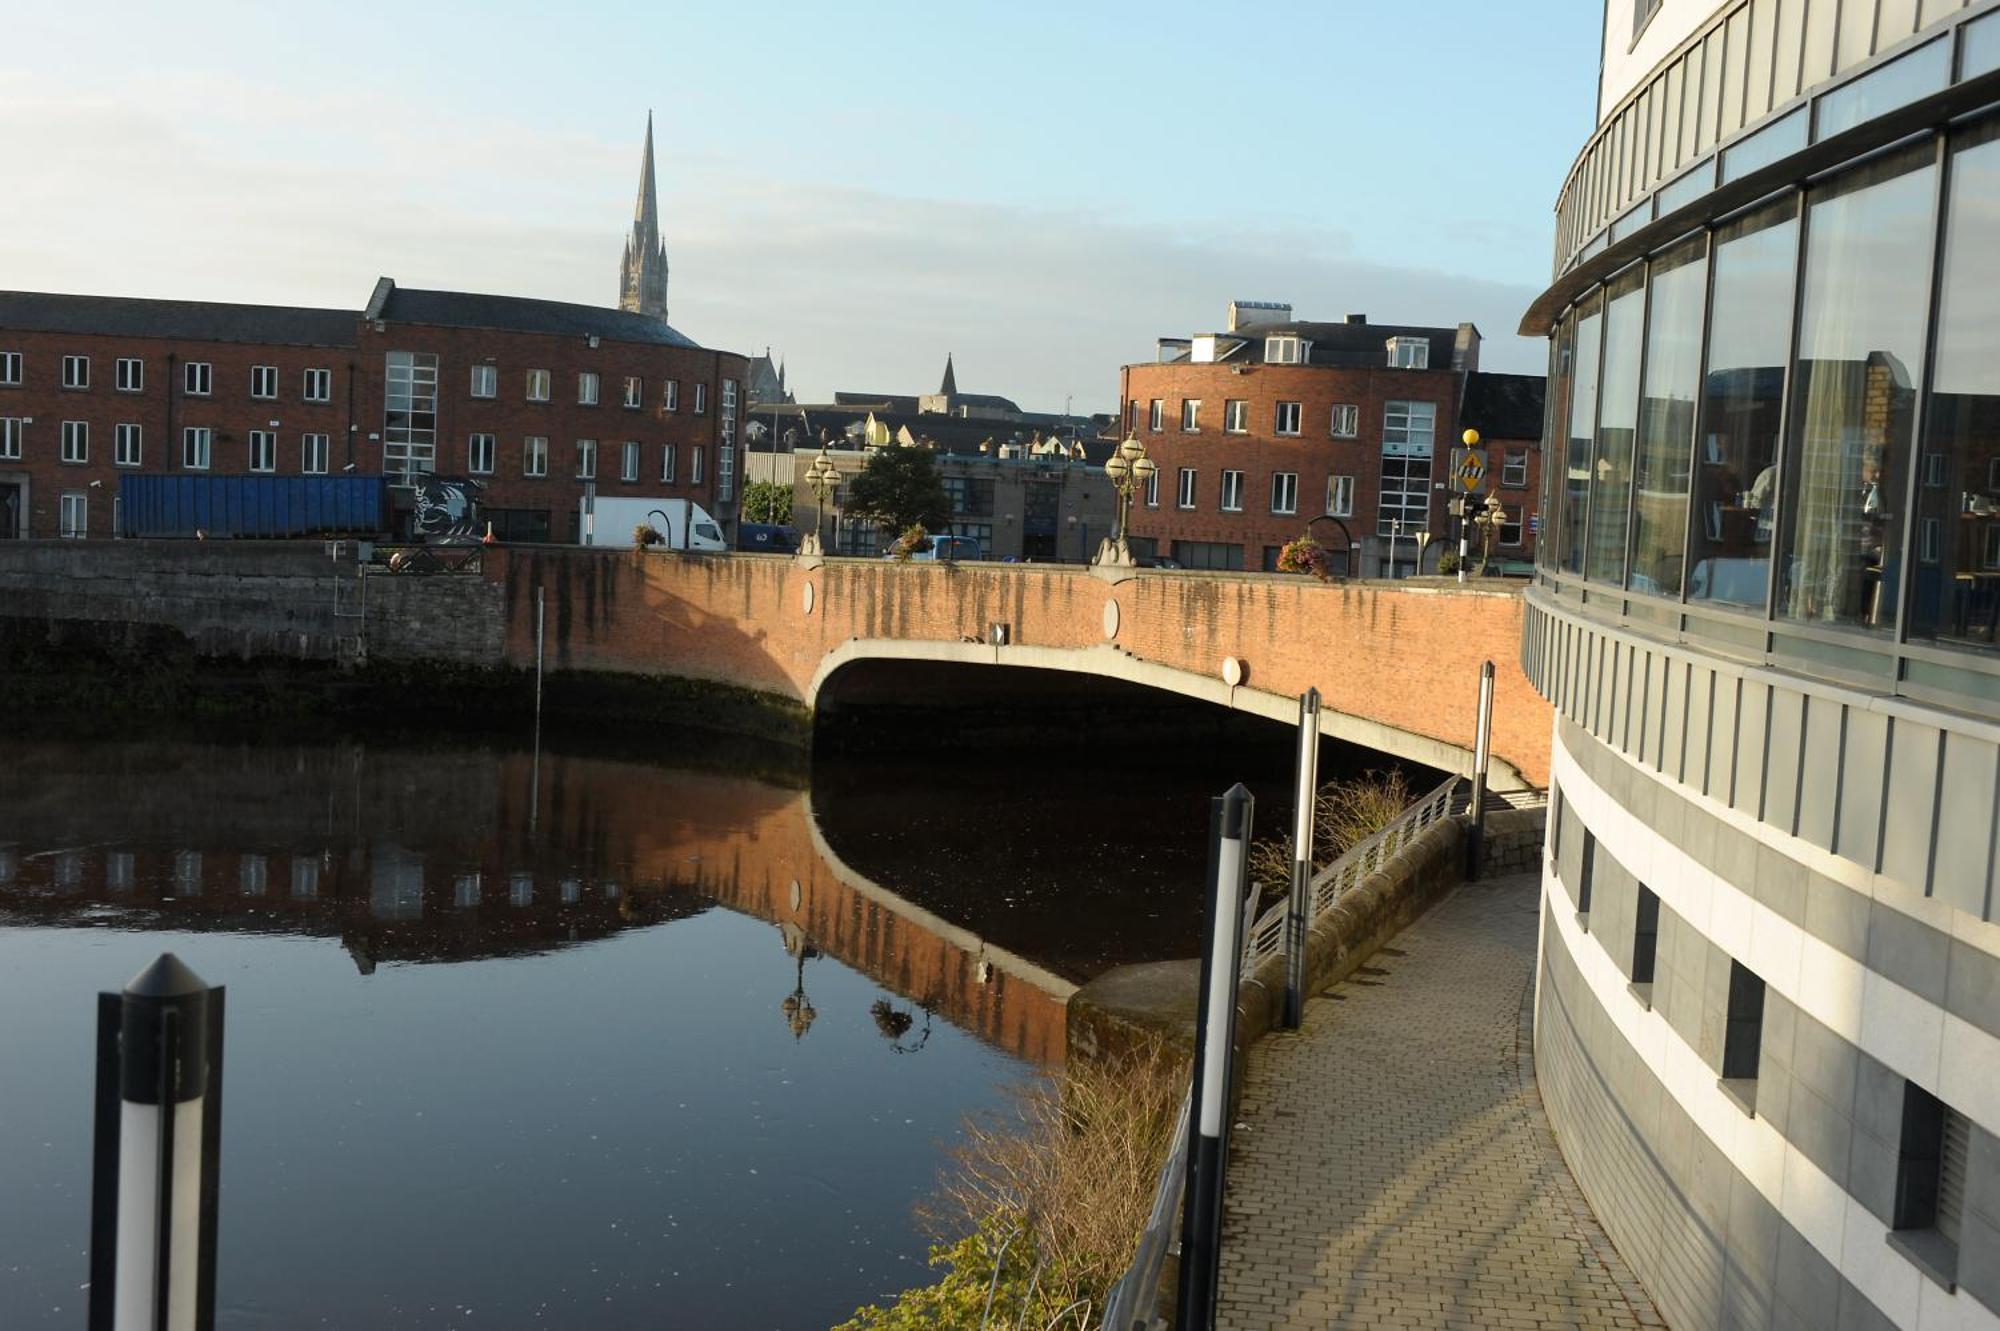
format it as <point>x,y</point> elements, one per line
<point>1129,469</point>
<point>1489,521</point>
<point>821,476</point>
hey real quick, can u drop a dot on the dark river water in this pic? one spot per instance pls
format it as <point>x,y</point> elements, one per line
<point>568,1038</point>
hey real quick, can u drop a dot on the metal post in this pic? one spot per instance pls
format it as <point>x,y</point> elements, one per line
<point>1298,912</point>
<point>158,1134</point>
<point>1482,752</point>
<point>1464,552</point>
<point>1215,1038</point>
<point>541,621</point>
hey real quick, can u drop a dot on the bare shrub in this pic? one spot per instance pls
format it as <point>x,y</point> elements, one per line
<point>1346,813</point>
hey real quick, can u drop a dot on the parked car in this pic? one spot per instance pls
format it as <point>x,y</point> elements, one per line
<point>767,538</point>
<point>946,548</point>
<point>1160,561</point>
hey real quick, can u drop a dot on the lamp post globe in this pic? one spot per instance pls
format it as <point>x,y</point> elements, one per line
<point>1470,438</point>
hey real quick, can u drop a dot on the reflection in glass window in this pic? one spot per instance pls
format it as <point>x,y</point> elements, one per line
<point>1582,421</point>
<point>1955,594</point>
<point>305,877</point>
<point>1660,463</point>
<point>1618,413</point>
<point>1562,348</point>
<point>1860,358</point>
<point>1735,466</point>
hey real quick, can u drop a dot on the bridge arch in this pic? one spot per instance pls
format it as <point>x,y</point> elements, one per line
<point>1106,661</point>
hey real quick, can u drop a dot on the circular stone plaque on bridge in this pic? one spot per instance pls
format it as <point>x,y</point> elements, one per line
<point>1111,619</point>
<point>1232,671</point>
<point>806,598</point>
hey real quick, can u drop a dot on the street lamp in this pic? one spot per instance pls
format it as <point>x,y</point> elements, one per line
<point>821,476</point>
<point>1490,520</point>
<point>1129,469</point>
<point>1471,440</point>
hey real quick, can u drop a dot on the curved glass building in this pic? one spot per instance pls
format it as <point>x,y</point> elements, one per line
<point>1767,611</point>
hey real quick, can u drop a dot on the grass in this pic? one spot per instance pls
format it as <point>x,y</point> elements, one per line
<point>1345,814</point>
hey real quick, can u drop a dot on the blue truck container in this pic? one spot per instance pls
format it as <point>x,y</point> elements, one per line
<point>259,507</point>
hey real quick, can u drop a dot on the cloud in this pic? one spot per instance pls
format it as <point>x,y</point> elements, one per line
<point>277,197</point>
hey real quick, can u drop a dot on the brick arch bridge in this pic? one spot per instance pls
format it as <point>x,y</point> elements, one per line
<point>1395,662</point>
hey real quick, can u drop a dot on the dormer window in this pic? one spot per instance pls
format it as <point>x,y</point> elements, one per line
<point>1409,353</point>
<point>1285,351</point>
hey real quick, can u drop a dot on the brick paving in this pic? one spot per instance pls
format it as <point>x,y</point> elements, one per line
<point>1393,1167</point>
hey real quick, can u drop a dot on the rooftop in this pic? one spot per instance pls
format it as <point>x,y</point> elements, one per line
<point>189,320</point>
<point>518,314</point>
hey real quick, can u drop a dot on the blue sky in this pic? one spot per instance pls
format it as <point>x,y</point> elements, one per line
<point>1040,188</point>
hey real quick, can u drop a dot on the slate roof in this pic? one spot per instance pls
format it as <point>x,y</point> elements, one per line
<point>187,320</point>
<point>1356,346</point>
<point>519,314</point>
<point>1503,406</point>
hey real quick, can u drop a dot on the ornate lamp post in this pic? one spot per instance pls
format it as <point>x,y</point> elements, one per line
<point>1490,520</point>
<point>821,476</point>
<point>1129,469</point>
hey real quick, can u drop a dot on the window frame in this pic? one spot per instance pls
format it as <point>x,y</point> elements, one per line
<point>315,446</point>
<point>1156,409</point>
<point>697,464</point>
<point>1190,415</point>
<point>1287,483</point>
<point>484,375</point>
<point>79,529</point>
<point>1229,498</point>
<point>125,432</point>
<point>479,443</point>
<point>200,372</point>
<point>1284,410</point>
<point>263,383</point>
<point>1339,484</point>
<point>1348,412</point>
<point>268,441</point>
<point>670,398</point>
<point>324,380</point>
<point>129,374</point>
<point>701,397</point>
<point>629,460</point>
<point>13,430</point>
<point>10,369</point>
<point>539,385</point>
<point>669,464</point>
<point>191,436</point>
<point>589,388</point>
<point>586,459</point>
<point>74,449</point>
<point>75,372</point>
<point>1186,489</point>
<point>535,456</point>
<point>635,393</point>
<point>1236,415</point>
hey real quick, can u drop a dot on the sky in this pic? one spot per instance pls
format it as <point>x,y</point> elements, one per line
<point>1041,189</point>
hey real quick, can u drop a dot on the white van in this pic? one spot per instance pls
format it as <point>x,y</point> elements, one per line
<point>682,523</point>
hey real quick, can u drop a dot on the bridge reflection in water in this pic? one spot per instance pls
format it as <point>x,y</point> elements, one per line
<point>413,856</point>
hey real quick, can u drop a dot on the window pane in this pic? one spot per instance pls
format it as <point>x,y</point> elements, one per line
<point>1660,466</point>
<point>1956,594</point>
<point>1735,486</point>
<point>1562,350</point>
<point>1861,343</point>
<point>1618,412</point>
<point>1582,421</point>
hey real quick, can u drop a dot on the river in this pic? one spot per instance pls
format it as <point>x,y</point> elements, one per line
<point>565,1037</point>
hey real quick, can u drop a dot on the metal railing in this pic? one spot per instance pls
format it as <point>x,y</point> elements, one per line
<point>1267,935</point>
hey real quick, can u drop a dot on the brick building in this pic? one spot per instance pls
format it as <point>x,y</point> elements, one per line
<point>1506,409</point>
<point>1275,424</point>
<point>546,404</point>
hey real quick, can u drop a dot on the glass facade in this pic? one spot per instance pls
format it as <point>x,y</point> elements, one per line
<point>1793,415</point>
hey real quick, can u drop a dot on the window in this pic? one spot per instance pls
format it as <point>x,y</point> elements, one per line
<point>1645,935</point>
<point>1154,411</point>
<point>131,374</point>
<point>1232,492</point>
<point>263,450</point>
<point>318,385</point>
<point>314,454</point>
<point>667,460</point>
<point>1408,435</point>
<point>1190,415</point>
<point>1743,1032</point>
<point>1132,416</point>
<point>127,445</point>
<point>409,414</point>
<point>1235,416</point>
<point>1575,494</point>
<point>1409,353</point>
<point>1735,487</point>
<point>1933,1163</point>
<point>76,514</point>
<point>1153,488</point>
<point>1208,554</point>
<point>697,460</point>
<point>1286,419</point>
<point>1346,420</point>
<point>197,378</point>
<point>1284,350</point>
<point>1185,497</point>
<point>197,441</point>
<point>10,367</point>
<point>76,441</point>
<point>635,392</point>
<point>1514,470</point>
<point>485,381</point>
<point>701,399</point>
<point>1617,417</point>
<point>586,459</point>
<point>1586,875</point>
<point>1340,496</point>
<point>535,456</point>
<point>263,381</point>
<point>725,445</point>
<point>479,454</point>
<point>10,438</point>
<point>586,389</point>
<point>628,461</point>
<point>672,400</point>
<point>538,385</point>
<point>1662,458</point>
<point>1285,492</point>
<point>76,372</point>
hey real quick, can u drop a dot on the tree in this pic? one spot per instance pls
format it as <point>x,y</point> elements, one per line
<point>899,488</point>
<point>767,501</point>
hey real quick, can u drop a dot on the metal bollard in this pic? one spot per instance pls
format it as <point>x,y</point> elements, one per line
<point>1482,751</point>
<point>158,1129</point>
<point>1215,1039</point>
<point>1298,911</point>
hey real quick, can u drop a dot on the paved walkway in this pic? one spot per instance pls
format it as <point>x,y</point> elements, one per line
<point>1393,1167</point>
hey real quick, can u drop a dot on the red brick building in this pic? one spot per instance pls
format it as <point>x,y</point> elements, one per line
<point>542,402</point>
<point>1275,425</point>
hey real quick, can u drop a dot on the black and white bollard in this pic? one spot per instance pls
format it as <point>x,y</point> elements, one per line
<point>1215,1039</point>
<point>1298,913</point>
<point>158,1127</point>
<point>1482,750</point>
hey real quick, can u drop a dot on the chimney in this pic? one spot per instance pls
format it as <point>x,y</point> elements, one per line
<point>1465,348</point>
<point>1357,318</point>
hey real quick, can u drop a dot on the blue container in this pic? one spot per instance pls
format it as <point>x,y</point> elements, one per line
<point>261,507</point>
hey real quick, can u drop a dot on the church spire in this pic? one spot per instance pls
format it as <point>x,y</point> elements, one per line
<point>642,276</point>
<point>950,384</point>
